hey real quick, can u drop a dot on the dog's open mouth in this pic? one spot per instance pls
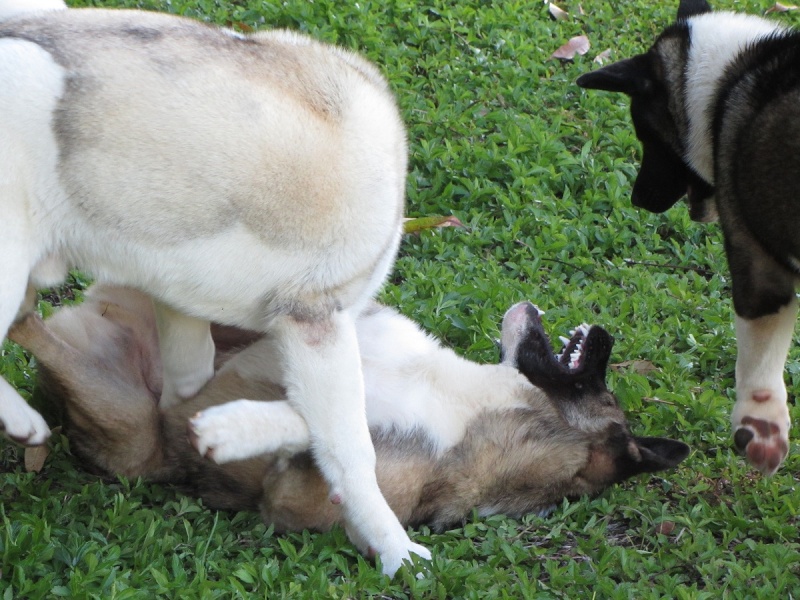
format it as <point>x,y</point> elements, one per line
<point>525,345</point>
<point>571,355</point>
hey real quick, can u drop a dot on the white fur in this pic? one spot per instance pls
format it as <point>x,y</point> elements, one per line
<point>716,39</point>
<point>762,346</point>
<point>412,384</point>
<point>188,341</point>
<point>32,83</point>
<point>317,222</point>
<point>235,430</point>
<point>15,8</point>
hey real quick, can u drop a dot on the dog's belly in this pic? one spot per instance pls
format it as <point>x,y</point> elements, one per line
<point>233,278</point>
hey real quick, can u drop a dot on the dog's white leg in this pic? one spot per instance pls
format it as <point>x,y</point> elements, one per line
<point>17,419</point>
<point>245,428</point>
<point>761,416</point>
<point>187,354</point>
<point>325,384</point>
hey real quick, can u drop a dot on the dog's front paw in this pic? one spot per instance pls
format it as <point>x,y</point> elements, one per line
<point>392,560</point>
<point>23,424</point>
<point>761,429</point>
<point>245,428</point>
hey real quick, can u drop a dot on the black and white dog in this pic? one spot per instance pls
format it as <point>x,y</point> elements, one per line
<point>716,105</point>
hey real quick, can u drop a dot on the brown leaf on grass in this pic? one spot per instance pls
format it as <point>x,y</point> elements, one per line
<point>35,457</point>
<point>643,367</point>
<point>601,58</point>
<point>665,527</point>
<point>558,13</point>
<point>418,224</point>
<point>577,45</point>
<point>780,8</point>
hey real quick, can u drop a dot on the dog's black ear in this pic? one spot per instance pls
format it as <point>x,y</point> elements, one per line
<point>662,179</point>
<point>632,76</point>
<point>660,453</point>
<point>690,8</point>
<point>648,455</point>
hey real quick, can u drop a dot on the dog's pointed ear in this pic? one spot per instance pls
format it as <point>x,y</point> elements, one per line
<point>632,76</point>
<point>691,8</point>
<point>655,454</point>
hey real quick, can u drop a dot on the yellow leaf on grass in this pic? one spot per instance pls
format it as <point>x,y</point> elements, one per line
<point>421,223</point>
<point>780,8</point>
<point>558,13</point>
<point>643,367</point>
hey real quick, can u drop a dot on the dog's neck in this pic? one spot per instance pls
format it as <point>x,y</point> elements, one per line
<point>716,38</point>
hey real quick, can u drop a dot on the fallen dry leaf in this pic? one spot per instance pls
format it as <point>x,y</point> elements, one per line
<point>601,58</point>
<point>559,14</point>
<point>577,45</point>
<point>421,223</point>
<point>643,367</point>
<point>780,8</point>
<point>665,527</point>
<point>35,457</point>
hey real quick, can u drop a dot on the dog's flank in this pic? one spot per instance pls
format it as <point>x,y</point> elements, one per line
<point>252,180</point>
<point>715,104</point>
<point>450,435</point>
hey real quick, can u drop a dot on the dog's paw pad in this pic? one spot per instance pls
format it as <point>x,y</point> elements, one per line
<point>763,443</point>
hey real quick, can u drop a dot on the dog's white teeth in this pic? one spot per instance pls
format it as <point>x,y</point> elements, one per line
<point>575,357</point>
<point>584,329</point>
<point>564,340</point>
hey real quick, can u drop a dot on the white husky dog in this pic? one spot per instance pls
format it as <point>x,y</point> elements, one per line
<point>256,181</point>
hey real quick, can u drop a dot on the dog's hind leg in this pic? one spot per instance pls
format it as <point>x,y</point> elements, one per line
<point>187,354</point>
<point>110,410</point>
<point>761,416</point>
<point>325,384</point>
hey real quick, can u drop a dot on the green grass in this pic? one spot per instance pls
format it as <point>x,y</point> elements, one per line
<point>540,173</point>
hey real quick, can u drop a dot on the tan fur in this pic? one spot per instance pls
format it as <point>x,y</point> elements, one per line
<point>511,460</point>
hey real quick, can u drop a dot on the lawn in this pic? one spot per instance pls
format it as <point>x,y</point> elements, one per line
<point>540,173</point>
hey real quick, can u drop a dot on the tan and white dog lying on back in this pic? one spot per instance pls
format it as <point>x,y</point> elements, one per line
<point>450,435</point>
<point>256,181</point>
